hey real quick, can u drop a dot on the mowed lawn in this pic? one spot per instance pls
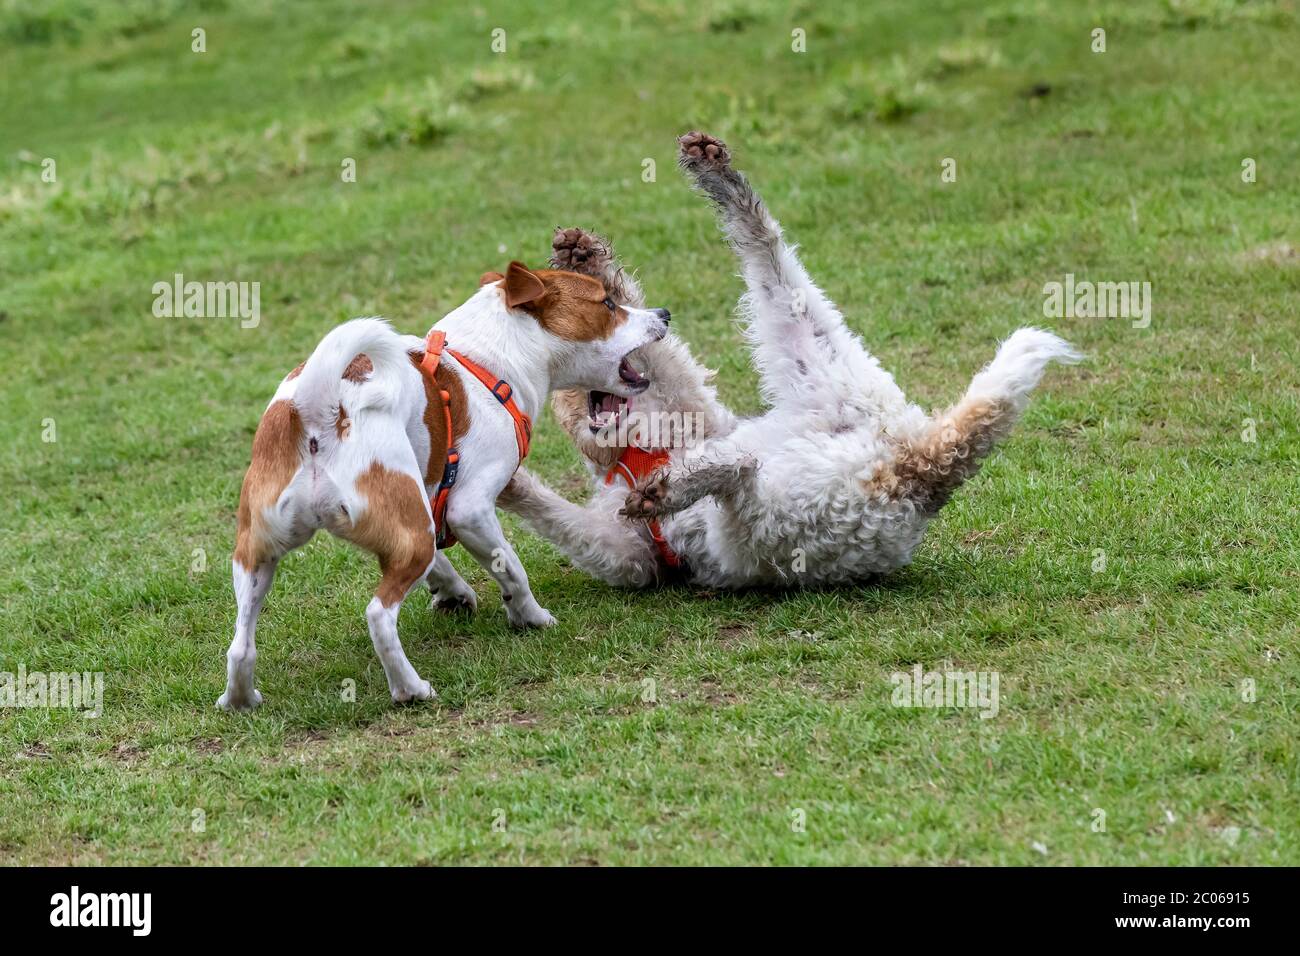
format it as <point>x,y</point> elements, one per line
<point>1128,563</point>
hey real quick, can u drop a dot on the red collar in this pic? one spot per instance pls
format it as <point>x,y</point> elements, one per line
<point>634,466</point>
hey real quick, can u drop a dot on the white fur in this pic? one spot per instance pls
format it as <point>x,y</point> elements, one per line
<point>386,413</point>
<point>1018,366</point>
<point>799,495</point>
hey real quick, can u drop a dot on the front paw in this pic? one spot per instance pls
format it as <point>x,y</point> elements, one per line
<point>648,501</point>
<point>453,601</point>
<point>532,615</point>
<point>700,152</point>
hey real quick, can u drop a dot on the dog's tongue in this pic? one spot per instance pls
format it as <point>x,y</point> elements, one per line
<point>605,409</point>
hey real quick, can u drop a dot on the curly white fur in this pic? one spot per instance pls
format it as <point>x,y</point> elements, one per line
<point>836,482</point>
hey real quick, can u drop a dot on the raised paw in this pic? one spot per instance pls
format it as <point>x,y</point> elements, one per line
<point>577,250</point>
<point>647,501</point>
<point>701,152</point>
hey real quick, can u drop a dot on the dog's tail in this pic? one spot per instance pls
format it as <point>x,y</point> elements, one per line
<point>317,396</point>
<point>929,469</point>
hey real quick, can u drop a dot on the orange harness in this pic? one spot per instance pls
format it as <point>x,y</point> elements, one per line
<point>434,346</point>
<point>633,466</point>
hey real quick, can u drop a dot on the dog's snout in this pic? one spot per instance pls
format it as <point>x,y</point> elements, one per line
<point>664,314</point>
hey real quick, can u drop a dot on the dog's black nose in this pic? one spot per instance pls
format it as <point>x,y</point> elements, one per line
<point>664,314</point>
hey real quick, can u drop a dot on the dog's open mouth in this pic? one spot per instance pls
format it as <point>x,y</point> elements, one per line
<point>630,374</point>
<point>604,408</point>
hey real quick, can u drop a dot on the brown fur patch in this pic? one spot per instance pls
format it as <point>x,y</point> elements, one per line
<point>342,424</point>
<point>395,527</point>
<point>574,307</point>
<point>566,304</point>
<point>929,471</point>
<point>359,368</point>
<point>435,420</point>
<point>274,462</point>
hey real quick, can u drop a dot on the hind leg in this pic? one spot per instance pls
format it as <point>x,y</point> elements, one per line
<point>251,587</point>
<point>804,352</point>
<point>396,526</point>
<point>257,555</point>
<point>404,684</point>
<point>267,532</point>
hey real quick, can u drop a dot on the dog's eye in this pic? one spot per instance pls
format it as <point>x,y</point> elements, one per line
<point>609,304</point>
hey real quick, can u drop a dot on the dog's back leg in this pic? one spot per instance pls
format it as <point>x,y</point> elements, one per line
<point>396,525</point>
<point>268,528</point>
<point>251,585</point>
<point>803,351</point>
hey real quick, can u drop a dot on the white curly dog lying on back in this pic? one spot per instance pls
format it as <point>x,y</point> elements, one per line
<point>835,483</point>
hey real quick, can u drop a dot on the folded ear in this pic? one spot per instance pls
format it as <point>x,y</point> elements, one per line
<point>522,286</point>
<point>488,278</point>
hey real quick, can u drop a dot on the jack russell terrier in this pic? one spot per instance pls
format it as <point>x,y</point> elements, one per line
<point>401,445</point>
<point>836,482</point>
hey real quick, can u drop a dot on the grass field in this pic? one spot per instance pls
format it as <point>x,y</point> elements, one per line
<point>1127,563</point>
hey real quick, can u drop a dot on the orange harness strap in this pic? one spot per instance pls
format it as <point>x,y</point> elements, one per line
<point>634,465</point>
<point>504,394</point>
<point>434,346</point>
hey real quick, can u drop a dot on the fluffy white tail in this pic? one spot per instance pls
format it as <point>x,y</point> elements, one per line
<point>319,385</point>
<point>1016,369</point>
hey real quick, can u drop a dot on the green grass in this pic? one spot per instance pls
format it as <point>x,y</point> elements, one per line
<point>1120,688</point>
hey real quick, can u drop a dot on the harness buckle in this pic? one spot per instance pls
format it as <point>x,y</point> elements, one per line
<point>450,468</point>
<point>502,391</point>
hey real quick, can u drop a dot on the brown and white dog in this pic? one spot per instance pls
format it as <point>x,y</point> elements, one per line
<point>354,442</point>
